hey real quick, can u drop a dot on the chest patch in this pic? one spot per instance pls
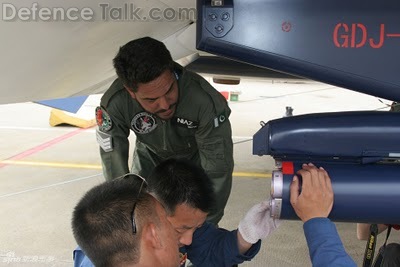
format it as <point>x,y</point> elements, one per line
<point>103,120</point>
<point>186,123</point>
<point>143,123</point>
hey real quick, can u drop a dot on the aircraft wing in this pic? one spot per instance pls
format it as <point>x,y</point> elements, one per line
<point>57,49</point>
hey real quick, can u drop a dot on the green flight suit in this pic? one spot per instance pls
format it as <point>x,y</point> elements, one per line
<point>199,131</point>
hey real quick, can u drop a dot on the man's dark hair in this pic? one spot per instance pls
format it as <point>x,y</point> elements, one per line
<point>175,182</point>
<point>102,221</point>
<point>141,61</point>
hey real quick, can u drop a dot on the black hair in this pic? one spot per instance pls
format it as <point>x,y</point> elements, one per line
<point>102,221</point>
<point>141,61</point>
<point>177,181</point>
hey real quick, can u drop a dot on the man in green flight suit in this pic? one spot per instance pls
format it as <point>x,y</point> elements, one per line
<point>174,113</point>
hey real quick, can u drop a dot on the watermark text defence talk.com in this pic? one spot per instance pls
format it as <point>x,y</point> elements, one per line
<point>104,11</point>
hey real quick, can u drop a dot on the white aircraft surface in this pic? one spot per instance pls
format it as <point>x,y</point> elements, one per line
<point>57,49</point>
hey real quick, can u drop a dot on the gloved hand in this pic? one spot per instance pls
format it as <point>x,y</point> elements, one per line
<point>258,223</point>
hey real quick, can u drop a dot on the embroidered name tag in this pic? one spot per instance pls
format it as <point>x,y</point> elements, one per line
<point>186,123</point>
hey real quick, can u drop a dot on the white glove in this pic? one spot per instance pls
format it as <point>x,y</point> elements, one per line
<point>258,223</point>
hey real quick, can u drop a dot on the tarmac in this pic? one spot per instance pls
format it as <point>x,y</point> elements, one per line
<point>45,170</point>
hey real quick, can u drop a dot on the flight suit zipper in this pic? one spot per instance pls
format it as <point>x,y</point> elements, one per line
<point>164,135</point>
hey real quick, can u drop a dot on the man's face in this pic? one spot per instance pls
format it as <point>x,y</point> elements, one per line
<point>159,96</point>
<point>169,239</point>
<point>185,221</point>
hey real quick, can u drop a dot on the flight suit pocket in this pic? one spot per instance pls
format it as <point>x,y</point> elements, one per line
<point>212,155</point>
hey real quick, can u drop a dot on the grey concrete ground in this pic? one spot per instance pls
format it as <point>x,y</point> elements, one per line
<point>44,171</point>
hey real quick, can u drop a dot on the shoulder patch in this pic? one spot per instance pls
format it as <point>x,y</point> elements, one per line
<point>143,123</point>
<point>221,118</point>
<point>103,120</point>
<point>185,123</point>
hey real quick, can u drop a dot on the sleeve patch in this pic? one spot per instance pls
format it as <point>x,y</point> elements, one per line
<point>103,120</point>
<point>104,140</point>
<point>219,120</point>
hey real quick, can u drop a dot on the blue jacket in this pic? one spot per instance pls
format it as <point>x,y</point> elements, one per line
<point>211,247</point>
<point>218,247</point>
<point>324,244</point>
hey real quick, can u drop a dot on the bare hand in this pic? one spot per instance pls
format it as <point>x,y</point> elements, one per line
<point>316,197</point>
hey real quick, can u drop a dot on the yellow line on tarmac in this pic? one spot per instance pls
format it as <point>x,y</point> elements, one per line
<point>52,164</point>
<point>252,174</point>
<point>98,167</point>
